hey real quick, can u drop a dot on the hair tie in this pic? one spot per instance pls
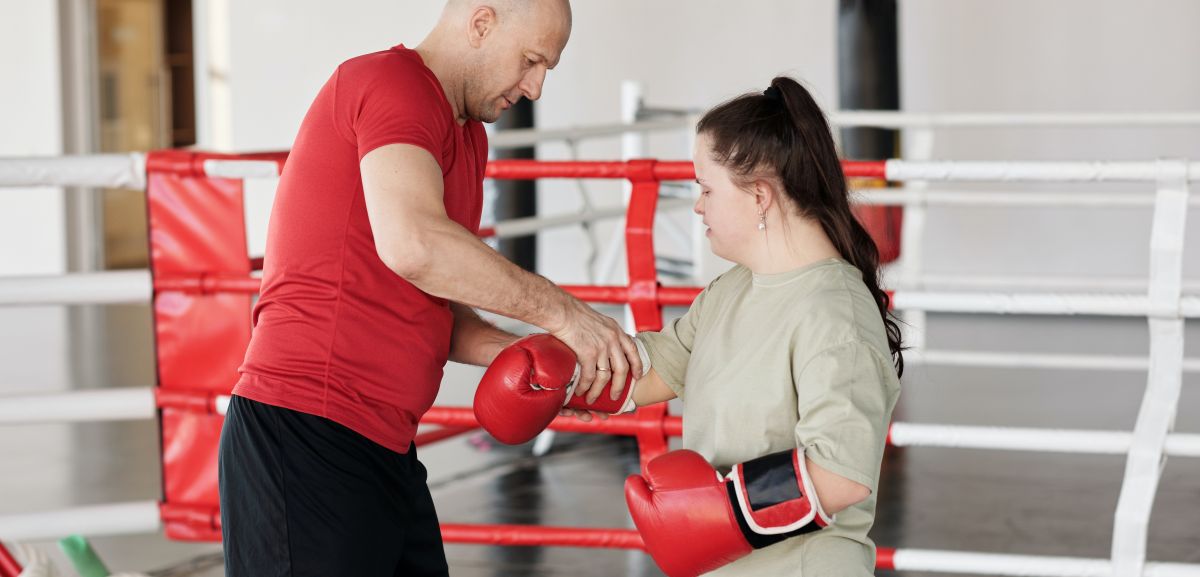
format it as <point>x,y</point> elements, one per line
<point>773,93</point>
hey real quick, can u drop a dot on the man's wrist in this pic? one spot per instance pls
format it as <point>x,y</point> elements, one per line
<point>497,343</point>
<point>553,316</point>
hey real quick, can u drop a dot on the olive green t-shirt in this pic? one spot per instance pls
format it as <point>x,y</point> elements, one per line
<point>768,363</point>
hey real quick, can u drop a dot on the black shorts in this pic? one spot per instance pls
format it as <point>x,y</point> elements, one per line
<point>302,495</point>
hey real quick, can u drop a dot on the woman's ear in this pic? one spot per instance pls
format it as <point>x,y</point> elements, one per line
<point>766,195</point>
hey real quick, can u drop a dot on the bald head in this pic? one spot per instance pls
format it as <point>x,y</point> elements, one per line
<point>495,52</point>
<point>521,9</point>
<point>545,22</point>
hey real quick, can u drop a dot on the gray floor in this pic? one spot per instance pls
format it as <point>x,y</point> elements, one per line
<point>1006,502</point>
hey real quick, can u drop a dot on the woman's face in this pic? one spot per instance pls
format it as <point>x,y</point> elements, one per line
<point>730,214</point>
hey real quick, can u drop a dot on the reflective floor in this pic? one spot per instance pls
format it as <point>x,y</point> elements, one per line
<point>1006,502</point>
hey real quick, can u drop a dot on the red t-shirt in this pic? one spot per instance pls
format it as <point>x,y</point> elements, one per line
<point>336,333</point>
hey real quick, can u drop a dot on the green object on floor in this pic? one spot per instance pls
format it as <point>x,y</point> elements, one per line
<point>83,557</point>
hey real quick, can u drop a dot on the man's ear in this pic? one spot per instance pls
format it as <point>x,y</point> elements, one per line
<point>481,24</point>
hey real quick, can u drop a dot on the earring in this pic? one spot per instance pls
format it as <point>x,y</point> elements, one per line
<point>762,221</point>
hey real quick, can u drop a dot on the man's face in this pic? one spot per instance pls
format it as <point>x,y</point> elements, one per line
<point>513,59</point>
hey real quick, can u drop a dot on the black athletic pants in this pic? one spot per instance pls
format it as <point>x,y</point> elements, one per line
<point>302,495</point>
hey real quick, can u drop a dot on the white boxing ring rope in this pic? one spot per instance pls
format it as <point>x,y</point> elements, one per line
<point>93,288</point>
<point>943,120</point>
<point>1164,305</point>
<point>684,119</point>
<point>138,403</point>
<point>134,286</point>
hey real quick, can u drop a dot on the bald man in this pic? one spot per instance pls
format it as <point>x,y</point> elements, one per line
<point>373,269</point>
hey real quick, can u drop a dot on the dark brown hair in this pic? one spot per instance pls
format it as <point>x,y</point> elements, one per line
<point>781,134</point>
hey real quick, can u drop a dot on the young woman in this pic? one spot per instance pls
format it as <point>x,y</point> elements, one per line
<point>788,364</point>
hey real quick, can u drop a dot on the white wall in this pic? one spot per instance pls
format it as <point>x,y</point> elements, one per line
<point>32,221</point>
<point>1067,56</point>
<point>281,52</point>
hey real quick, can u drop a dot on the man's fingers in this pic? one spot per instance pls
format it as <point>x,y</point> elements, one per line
<point>585,382</point>
<point>602,378</point>
<point>587,373</point>
<point>631,352</point>
<point>620,372</point>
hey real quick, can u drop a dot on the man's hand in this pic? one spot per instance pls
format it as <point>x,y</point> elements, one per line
<point>582,414</point>
<point>604,351</point>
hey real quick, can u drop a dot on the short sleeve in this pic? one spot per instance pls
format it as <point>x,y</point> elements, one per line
<point>845,396</point>
<point>390,99</point>
<point>671,348</point>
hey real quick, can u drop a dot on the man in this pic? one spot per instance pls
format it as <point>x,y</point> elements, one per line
<point>372,270</point>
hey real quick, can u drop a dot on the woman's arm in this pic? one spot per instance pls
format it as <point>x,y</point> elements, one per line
<point>652,389</point>
<point>835,492</point>
<point>845,397</point>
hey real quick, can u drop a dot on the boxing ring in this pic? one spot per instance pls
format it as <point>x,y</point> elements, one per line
<point>202,282</point>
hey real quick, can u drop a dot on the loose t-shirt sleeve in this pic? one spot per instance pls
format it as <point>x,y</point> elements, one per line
<point>671,348</point>
<point>391,100</point>
<point>844,398</point>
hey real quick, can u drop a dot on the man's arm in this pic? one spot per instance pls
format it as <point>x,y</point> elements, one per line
<point>416,238</point>
<point>474,340</point>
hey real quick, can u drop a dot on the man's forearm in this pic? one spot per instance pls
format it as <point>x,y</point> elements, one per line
<point>475,341</point>
<point>460,268</point>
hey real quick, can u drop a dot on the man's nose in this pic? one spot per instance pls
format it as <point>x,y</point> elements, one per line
<point>531,85</point>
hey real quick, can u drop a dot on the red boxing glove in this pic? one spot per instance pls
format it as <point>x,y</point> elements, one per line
<point>529,381</point>
<point>694,521</point>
